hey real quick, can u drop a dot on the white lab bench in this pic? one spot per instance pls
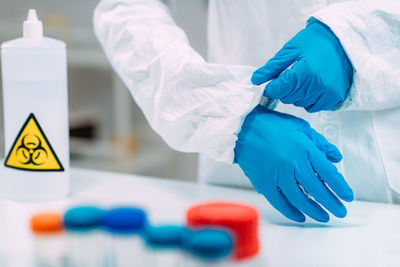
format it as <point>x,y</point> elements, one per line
<point>368,236</point>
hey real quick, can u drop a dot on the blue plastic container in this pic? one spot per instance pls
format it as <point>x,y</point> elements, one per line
<point>125,245</point>
<point>208,247</point>
<point>85,240</point>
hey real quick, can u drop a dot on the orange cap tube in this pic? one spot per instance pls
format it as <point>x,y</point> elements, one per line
<point>46,223</point>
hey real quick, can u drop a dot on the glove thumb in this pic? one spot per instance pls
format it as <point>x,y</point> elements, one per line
<point>281,61</point>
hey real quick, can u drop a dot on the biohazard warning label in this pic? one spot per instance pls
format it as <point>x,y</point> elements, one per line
<point>32,151</point>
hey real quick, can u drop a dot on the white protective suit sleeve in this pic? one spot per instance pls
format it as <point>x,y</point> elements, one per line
<point>369,32</point>
<point>193,105</point>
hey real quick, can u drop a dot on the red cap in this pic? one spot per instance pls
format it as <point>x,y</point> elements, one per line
<point>241,219</point>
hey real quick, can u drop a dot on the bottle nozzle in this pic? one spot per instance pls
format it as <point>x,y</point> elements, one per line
<point>32,16</point>
<point>33,27</point>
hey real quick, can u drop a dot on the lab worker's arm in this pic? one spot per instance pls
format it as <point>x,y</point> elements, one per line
<point>193,105</point>
<point>369,32</point>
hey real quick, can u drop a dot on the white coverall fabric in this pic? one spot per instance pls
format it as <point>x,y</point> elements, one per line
<point>199,107</point>
<point>195,106</point>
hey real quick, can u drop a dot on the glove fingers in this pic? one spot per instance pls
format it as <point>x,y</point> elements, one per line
<point>330,150</point>
<point>329,174</point>
<point>319,191</point>
<point>296,196</point>
<point>280,203</point>
<point>282,60</point>
<point>323,102</point>
<point>292,85</point>
<point>281,87</point>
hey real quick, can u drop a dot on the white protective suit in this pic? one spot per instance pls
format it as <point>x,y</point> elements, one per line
<point>199,106</point>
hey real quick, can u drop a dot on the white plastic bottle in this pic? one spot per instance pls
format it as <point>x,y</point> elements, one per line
<point>34,74</point>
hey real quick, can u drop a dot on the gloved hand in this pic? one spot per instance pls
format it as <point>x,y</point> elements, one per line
<point>285,160</point>
<point>320,76</point>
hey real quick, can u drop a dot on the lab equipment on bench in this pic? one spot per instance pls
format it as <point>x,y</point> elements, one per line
<point>85,240</point>
<point>240,219</point>
<point>165,244</point>
<point>34,71</point>
<point>49,240</point>
<point>125,245</point>
<point>218,234</point>
<point>208,247</point>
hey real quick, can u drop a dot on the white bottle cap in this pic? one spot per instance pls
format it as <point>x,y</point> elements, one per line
<point>33,27</point>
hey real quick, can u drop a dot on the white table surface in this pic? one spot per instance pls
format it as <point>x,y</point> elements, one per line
<point>368,236</point>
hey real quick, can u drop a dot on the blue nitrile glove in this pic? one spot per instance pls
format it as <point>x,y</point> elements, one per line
<point>320,76</point>
<point>282,156</point>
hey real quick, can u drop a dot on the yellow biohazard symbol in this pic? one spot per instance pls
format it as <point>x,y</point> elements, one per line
<point>32,151</point>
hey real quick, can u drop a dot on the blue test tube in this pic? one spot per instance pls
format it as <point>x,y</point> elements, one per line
<point>85,240</point>
<point>125,246</point>
<point>165,243</point>
<point>208,247</point>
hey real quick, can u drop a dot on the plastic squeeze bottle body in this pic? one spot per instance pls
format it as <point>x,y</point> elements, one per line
<point>34,73</point>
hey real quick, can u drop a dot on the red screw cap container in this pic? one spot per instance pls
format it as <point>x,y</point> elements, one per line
<point>240,219</point>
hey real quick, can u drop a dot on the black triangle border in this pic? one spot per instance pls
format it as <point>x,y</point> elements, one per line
<point>32,116</point>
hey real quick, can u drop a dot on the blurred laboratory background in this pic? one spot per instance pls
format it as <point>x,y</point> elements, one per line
<point>108,130</point>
